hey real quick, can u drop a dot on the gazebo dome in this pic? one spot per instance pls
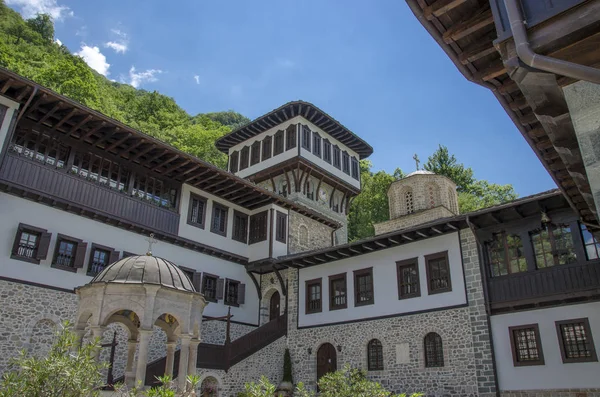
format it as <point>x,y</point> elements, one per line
<point>145,269</point>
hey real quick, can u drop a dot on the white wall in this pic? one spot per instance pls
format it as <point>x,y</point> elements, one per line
<point>5,124</point>
<point>385,282</point>
<point>553,374</point>
<point>14,210</point>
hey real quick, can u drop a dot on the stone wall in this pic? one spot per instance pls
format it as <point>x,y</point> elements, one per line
<point>552,393</point>
<point>414,219</point>
<point>426,190</point>
<point>306,234</point>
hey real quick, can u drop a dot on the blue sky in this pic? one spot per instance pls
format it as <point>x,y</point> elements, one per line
<point>369,64</point>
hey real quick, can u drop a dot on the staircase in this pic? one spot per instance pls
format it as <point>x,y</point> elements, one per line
<point>224,356</point>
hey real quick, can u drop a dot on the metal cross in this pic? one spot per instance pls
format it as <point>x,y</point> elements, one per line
<point>416,158</point>
<point>151,240</point>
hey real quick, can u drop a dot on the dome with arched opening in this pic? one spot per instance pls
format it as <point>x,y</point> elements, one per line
<point>145,269</point>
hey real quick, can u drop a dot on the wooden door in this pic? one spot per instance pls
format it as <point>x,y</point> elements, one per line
<point>274,306</point>
<point>326,360</point>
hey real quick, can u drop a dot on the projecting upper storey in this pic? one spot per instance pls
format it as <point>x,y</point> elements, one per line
<point>296,135</point>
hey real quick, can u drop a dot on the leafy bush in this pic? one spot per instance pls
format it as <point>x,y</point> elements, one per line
<point>287,367</point>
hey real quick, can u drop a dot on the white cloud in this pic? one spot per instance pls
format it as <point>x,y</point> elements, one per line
<point>197,79</point>
<point>57,41</point>
<point>147,76</point>
<point>30,8</point>
<point>94,58</point>
<point>118,47</point>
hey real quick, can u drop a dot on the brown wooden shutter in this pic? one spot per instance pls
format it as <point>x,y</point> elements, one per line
<point>241,294</point>
<point>197,280</point>
<point>44,244</point>
<point>114,256</point>
<point>15,248</point>
<point>80,255</point>
<point>220,288</point>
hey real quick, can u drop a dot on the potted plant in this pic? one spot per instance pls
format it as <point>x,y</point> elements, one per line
<point>286,386</point>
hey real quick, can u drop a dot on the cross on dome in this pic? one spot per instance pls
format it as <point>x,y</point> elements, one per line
<point>151,240</point>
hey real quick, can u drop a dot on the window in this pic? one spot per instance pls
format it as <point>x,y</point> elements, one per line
<point>338,297</point>
<point>553,245</point>
<point>336,157</point>
<point>355,167</point>
<point>375,355</point>
<point>153,190</point>
<point>197,211</point>
<point>281,226</point>
<point>267,148</point>
<point>306,138</point>
<point>244,157</point>
<point>434,351</point>
<point>346,162</point>
<point>69,253</point>
<point>40,147</point>
<point>209,287</point>
<point>240,227</point>
<point>327,151</point>
<point>526,345</point>
<point>233,162</point>
<point>592,247</point>
<point>278,143</point>
<point>234,293</point>
<point>316,144</point>
<point>290,139</point>
<point>100,257</point>
<point>308,189</point>
<point>506,255</point>
<point>258,227</point>
<point>408,200</point>
<point>408,278</point>
<point>575,341</point>
<point>31,244</point>
<point>363,287</point>
<point>313,296</point>
<point>255,155</point>
<point>219,219</point>
<point>438,273</point>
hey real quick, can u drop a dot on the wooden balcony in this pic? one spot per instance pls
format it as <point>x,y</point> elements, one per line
<point>37,179</point>
<point>564,282</point>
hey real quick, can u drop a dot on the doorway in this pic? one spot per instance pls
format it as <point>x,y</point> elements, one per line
<point>326,360</point>
<point>274,306</point>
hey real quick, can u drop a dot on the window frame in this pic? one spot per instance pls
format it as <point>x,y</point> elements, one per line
<point>278,149</point>
<point>346,162</point>
<point>538,341</point>
<point>280,223</point>
<point>589,337</point>
<point>550,228</point>
<point>205,276</point>
<point>194,196</point>
<point>244,158</point>
<point>379,361</point>
<point>506,256</point>
<point>234,161</point>
<point>307,285</point>
<point>112,256</point>
<point>332,280</point>
<point>228,283</point>
<point>267,148</point>
<point>336,157</point>
<point>428,259</point>
<point>38,255</point>
<point>221,207</point>
<point>436,364</point>
<point>78,245</point>
<point>355,168</point>
<point>408,263</point>
<point>256,237</point>
<point>326,150</point>
<point>290,137</point>
<point>361,273</point>
<point>306,138</point>
<point>255,153</point>
<point>237,215</point>
<point>316,144</point>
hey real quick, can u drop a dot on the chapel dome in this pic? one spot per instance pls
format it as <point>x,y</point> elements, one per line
<point>420,172</point>
<point>145,269</point>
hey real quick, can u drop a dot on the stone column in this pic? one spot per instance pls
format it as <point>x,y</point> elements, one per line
<point>193,356</point>
<point>129,372</point>
<point>142,361</point>
<point>97,332</point>
<point>183,362</point>
<point>170,358</point>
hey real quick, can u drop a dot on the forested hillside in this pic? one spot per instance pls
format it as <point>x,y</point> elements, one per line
<point>27,47</point>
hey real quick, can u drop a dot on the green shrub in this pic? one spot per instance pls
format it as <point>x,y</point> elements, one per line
<point>287,367</point>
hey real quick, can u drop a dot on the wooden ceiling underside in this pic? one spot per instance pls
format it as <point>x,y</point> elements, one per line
<point>466,32</point>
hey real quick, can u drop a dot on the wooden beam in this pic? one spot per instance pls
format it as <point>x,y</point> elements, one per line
<point>7,85</point>
<point>365,246</point>
<point>436,230</point>
<point>194,168</point>
<point>519,104</point>
<point>421,234</point>
<point>354,250</point>
<point>142,152</point>
<point>92,130</point>
<point>130,148</point>
<point>81,123</point>
<point>391,240</point>
<point>167,161</point>
<point>481,48</point>
<point>451,226</point>
<point>173,168</point>
<point>440,7</point>
<point>380,244</point>
<point>404,236</point>
<point>118,142</point>
<point>50,112</point>
<point>482,18</point>
<point>65,119</point>
<point>232,191</point>
<point>494,70</point>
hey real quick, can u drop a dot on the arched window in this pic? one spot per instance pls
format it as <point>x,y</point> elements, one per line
<point>375,355</point>
<point>408,202</point>
<point>434,351</point>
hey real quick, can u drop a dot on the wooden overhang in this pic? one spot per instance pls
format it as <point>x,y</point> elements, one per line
<point>289,111</point>
<point>465,30</point>
<point>59,115</point>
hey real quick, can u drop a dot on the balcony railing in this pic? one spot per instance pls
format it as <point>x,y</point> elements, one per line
<point>555,282</point>
<point>38,178</point>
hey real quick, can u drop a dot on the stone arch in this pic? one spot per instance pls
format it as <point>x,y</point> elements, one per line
<point>303,236</point>
<point>122,337</point>
<point>170,324</point>
<point>432,195</point>
<point>266,301</point>
<point>81,322</point>
<point>446,339</point>
<point>211,380</point>
<point>42,336</point>
<point>128,317</point>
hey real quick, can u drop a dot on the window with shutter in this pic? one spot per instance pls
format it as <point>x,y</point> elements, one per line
<point>313,296</point>
<point>197,211</point>
<point>69,253</point>
<point>244,157</point>
<point>100,257</point>
<point>281,224</point>
<point>232,288</point>
<point>290,137</point>
<point>316,144</point>
<point>241,294</point>
<point>209,287</point>
<point>240,227</point>
<point>31,244</point>
<point>220,289</point>
<point>258,227</point>
<point>336,157</point>
<point>267,148</point>
<point>255,156</point>
<point>219,219</point>
<point>346,162</point>
<point>355,168</point>
<point>327,151</point>
<point>233,162</point>
<point>278,149</point>
<point>197,281</point>
<point>306,137</point>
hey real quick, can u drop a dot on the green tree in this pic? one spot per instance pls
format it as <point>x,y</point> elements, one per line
<point>44,25</point>
<point>483,194</point>
<point>229,118</point>
<point>441,162</point>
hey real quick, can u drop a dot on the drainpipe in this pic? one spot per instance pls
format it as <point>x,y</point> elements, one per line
<point>542,62</point>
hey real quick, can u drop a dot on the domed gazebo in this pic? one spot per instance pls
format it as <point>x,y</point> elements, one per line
<point>140,292</point>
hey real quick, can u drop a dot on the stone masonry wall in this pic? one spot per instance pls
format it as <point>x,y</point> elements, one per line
<point>306,234</point>
<point>552,393</point>
<point>414,219</point>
